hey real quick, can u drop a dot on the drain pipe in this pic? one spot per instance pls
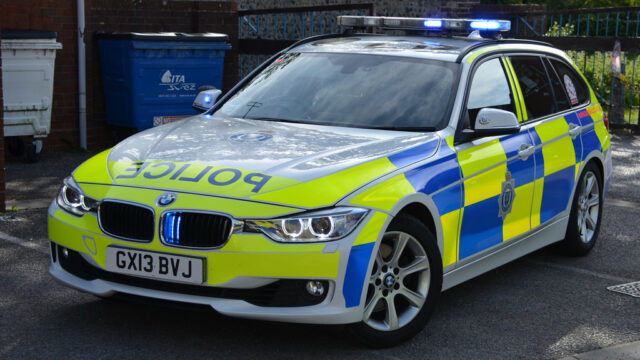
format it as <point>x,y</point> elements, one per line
<point>82,78</point>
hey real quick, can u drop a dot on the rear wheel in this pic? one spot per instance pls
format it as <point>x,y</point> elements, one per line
<point>403,287</point>
<point>586,213</point>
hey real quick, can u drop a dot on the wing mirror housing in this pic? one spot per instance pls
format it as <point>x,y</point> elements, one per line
<point>206,99</point>
<point>492,122</point>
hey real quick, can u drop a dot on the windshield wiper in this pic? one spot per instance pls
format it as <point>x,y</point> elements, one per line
<point>266,118</point>
<point>405,128</point>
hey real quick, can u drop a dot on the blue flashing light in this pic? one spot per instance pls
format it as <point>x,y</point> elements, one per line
<point>207,99</point>
<point>171,228</point>
<point>433,23</point>
<point>491,25</point>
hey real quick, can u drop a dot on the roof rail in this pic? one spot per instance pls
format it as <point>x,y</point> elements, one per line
<point>482,43</point>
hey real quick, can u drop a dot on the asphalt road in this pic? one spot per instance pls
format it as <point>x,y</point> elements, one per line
<point>541,306</point>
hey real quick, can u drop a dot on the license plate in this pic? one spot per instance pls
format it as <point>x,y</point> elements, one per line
<point>155,265</point>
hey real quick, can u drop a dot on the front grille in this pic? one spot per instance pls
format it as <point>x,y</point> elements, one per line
<point>126,221</point>
<point>195,230</point>
<point>281,293</point>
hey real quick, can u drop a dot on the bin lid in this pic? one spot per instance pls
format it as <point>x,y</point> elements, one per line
<point>10,34</point>
<point>161,36</point>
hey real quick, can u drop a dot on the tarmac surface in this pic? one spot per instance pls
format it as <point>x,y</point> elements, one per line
<point>541,306</point>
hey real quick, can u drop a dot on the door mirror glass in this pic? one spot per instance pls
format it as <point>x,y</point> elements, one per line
<point>496,122</point>
<point>206,99</point>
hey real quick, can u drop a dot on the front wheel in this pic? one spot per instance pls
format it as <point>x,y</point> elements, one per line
<point>403,287</point>
<point>586,213</point>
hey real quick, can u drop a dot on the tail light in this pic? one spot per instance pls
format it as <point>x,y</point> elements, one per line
<point>606,120</point>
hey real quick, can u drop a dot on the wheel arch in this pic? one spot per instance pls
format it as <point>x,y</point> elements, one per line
<point>422,207</point>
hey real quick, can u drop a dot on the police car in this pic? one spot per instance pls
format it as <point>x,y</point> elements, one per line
<point>348,180</point>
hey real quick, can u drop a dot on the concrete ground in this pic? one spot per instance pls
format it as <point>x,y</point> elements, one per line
<point>541,306</point>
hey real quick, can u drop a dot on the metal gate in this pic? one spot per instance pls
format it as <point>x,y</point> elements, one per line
<point>264,32</point>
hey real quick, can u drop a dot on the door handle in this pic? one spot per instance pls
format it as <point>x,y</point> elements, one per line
<point>526,150</point>
<point>574,130</point>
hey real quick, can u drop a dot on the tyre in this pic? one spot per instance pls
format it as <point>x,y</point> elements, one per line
<point>586,213</point>
<point>403,287</point>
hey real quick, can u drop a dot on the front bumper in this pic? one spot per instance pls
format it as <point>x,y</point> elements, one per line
<point>246,263</point>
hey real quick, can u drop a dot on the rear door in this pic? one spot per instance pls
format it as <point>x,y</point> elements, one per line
<point>555,129</point>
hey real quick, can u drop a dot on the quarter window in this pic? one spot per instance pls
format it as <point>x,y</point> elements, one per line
<point>489,89</point>
<point>575,87</point>
<point>535,86</point>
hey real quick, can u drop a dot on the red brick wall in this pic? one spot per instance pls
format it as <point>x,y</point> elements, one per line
<point>109,15</point>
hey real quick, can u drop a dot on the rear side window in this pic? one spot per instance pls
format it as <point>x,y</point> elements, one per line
<point>574,85</point>
<point>535,86</point>
<point>489,89</point>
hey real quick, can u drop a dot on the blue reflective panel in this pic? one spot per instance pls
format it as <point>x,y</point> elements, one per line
<point>433,23</point>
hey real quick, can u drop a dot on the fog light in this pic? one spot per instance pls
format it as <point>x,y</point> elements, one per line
<point>315,288</point>
<point>65,252</point>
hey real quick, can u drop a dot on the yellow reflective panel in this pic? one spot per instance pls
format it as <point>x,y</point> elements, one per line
<point>449,141</point>
<point>603,135</point>
<point>236,208</point>
<point>386,194</point>
<point>512,84</point>
<point>578,166</point>
<point>485,185</point>
<point>450,233</point>
<point>258,243</point>
<point>481,157</point>
<point>87,221</point>
<point>558,155</point>
<point>196,177</point>
<point>517,222</point>
<point>329,189</point>
<point>94,170</point>
<point>537,202</point>
<point>372,229</point>
<point>226,266</point>
<point>552,129</point>
<point>522,105</point>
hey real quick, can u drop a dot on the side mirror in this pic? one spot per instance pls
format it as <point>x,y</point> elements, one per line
<point>496,122</point>
<point>490,122</point>
<point>206,99</point>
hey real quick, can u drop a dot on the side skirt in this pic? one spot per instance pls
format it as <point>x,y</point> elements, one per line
<point>506,252</point>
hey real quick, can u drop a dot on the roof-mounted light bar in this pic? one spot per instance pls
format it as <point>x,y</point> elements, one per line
<point>432,24</point>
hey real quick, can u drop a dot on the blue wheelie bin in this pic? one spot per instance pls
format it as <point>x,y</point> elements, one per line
<point>152,78</point>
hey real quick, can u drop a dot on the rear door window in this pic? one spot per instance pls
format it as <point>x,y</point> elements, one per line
<point>534,83</point>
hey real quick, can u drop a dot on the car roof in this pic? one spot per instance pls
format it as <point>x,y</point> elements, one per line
<point>450,48</point>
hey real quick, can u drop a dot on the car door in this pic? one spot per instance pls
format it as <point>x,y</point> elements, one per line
<point>498,171</point>
<point>555,129</point>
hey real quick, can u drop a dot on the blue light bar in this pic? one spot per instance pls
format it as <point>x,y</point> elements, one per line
<point>433,23</point>
<point>496,25</point>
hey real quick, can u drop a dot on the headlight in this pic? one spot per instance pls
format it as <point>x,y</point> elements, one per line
<point>71,199</point>
<point>318,226</point>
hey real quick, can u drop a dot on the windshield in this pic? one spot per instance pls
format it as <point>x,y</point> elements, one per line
<point>370,91</point>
